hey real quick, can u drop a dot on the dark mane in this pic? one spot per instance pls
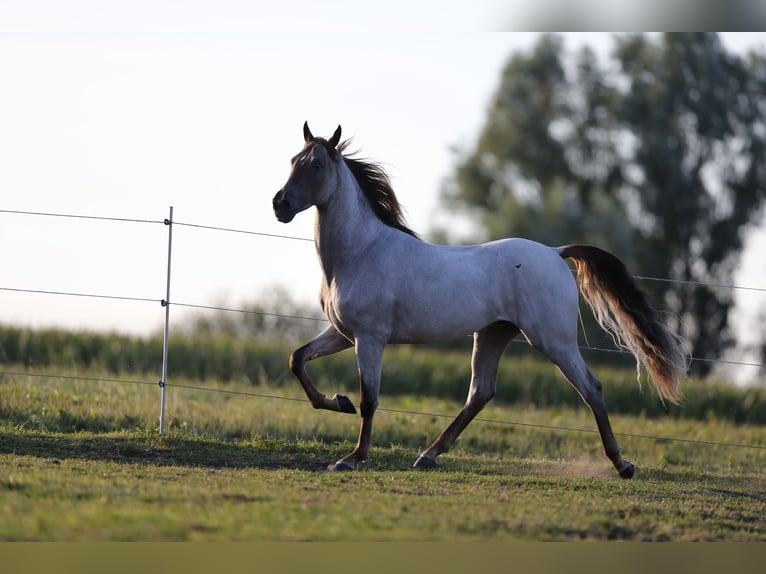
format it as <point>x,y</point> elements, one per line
<point>376,187</point>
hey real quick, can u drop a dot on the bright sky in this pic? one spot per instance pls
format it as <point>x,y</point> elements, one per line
<point>106,112</point>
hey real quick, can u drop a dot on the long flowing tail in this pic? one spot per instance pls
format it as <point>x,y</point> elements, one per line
<point>626,313</point>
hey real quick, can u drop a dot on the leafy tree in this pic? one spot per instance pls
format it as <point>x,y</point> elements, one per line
<point>656,154</point>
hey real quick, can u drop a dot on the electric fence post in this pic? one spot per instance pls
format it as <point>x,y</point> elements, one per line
<point>166,305</point>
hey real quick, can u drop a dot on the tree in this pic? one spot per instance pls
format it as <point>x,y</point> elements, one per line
<point>657,155</point>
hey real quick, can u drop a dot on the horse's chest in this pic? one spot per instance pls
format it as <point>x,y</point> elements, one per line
<point>352,310</point>
<point>333,309</point>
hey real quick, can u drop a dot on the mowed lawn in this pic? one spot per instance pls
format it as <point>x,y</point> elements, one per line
<point>83,461</point>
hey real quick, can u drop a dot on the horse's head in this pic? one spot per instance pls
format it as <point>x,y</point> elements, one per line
<point>313,176</point>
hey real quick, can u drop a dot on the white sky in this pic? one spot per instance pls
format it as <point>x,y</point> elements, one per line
<point>106,112</point>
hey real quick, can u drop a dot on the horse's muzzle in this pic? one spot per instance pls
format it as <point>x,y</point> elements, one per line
<point>282,208</point>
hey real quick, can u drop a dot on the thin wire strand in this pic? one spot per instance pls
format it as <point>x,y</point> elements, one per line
<point>316,319</point>
<point>401,411</point>
<point>242,231</point>
<point>700,283</point>
<point>248,311</point>
<point>485,420</point>
<point>574,429</point>
<point>279,236</point>
<point>701,360</point>
<point>74,294</point>
<point>76,378</point>
<point>73,216</point>
<point>231,392</point>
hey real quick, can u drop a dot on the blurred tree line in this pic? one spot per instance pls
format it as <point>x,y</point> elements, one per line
<point>274,316</point>
<point>656,154</point>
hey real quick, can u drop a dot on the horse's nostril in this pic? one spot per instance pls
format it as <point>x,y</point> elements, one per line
<point>282,208</point>
<point>279,201</point>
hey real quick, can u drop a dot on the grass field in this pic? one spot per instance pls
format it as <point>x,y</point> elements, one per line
<point>83,461</point>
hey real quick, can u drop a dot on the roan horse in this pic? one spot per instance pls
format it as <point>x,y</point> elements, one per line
<point>382,284</point>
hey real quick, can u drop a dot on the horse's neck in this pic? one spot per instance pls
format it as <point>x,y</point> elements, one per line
<point>344,228</point>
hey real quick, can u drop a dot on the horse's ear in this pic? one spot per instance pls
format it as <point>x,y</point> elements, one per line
<point>335,139</point>
<point>307,135</point>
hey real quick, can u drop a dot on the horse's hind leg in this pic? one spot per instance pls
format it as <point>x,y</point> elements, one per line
<point>327,342</point>
<point>575,370</point>
<point>488,347</point>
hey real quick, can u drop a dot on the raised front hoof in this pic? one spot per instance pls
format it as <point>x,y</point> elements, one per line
<point>340,466</point>
<point>628,471</point>
<point>424,463</point>
<point>346,406</point>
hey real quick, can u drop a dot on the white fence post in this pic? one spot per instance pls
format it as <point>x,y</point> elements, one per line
<point>166,304</point>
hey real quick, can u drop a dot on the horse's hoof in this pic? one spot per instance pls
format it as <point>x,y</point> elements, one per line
<point>424,463</point>
<point>628,471</point>
<point>346,406</point>
<point>340,466</point>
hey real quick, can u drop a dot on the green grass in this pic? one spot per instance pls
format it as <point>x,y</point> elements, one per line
<point>83,461</point>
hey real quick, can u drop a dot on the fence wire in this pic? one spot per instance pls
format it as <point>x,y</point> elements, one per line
<point>164,302</point>
<point>387,410</point>
<point>316,319</point>
<point>242,231</point>
<point>75,216</point>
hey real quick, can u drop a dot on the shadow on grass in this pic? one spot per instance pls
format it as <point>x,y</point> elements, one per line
<point>265,453</point>
<point>268,453</point>
<point>313,455</point>
<point>150,448</point>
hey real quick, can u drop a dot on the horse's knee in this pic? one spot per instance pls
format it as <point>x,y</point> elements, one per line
<point>481,393</point>
<point>297,360</point>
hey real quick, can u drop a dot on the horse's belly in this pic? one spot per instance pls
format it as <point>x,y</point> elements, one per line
<point>445,318</point>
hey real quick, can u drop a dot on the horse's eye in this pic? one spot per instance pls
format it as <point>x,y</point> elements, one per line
<point>317,164</point>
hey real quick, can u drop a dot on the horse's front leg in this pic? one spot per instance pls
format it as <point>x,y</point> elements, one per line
<point>369,356</point>
<point>327,342</point>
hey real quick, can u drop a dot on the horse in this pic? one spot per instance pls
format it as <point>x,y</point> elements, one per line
<point>382,284</point>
